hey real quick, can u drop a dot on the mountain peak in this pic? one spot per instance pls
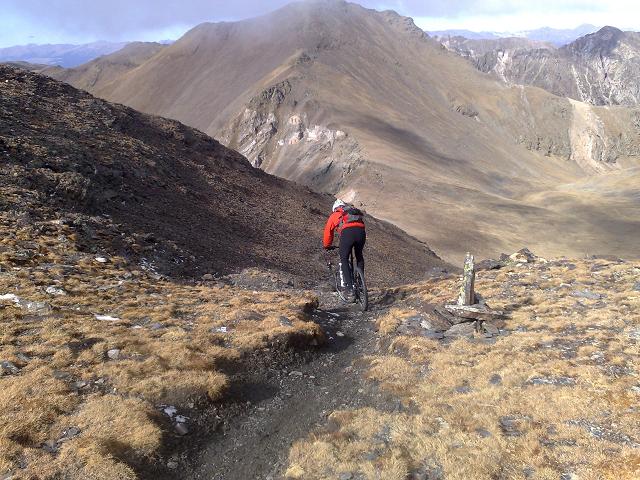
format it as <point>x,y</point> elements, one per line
<point>608,30</point>
<point>604,41</point>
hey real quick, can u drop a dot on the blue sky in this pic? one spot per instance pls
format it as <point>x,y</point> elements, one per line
<point>80,21</point>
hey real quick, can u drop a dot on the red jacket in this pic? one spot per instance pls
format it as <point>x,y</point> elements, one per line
<point>333,223</point>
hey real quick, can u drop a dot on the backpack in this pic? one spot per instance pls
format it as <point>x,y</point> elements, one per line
<point>351,214</point>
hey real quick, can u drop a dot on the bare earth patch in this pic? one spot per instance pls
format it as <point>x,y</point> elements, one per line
<point>554,395</point>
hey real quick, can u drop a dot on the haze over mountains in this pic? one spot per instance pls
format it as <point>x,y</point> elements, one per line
<point>64,55</point>
<point>555,36</point>
<point>364,105</point>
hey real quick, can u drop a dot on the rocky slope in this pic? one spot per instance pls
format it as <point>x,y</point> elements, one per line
<point>168,195</point>
<point>331,95</point>
<point>602,68</point>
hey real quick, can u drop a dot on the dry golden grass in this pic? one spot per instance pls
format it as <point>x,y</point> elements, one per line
<point>169,339</point>
<point>459,424</point>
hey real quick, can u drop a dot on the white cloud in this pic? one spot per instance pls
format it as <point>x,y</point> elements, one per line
<point>517,15</point>
<point>23,21</point>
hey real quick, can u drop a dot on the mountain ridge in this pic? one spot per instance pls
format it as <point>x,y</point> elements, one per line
<point>343,106</point>
<point>601,68</point>
<point>157,190</point>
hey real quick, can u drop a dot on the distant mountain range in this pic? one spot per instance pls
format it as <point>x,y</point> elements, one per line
<point>601,68</point>
<point>70,55</point>
<point>63,55</point>
<point>554,36</point>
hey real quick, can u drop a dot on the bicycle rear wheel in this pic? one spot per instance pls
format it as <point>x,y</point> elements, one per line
<point>360,288</point>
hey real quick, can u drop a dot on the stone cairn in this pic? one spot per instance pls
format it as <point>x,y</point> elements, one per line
<point>471,314</point>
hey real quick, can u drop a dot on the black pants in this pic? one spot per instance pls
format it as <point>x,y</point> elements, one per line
<point>351,238</point>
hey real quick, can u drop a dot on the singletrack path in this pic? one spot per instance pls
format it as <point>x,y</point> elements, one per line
<point>282,405</point>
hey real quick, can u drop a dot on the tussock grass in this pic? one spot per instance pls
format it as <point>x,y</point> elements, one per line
<point>558,395</point>
<point>162,344</point>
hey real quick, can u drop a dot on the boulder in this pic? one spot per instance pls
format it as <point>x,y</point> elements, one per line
<point>489,264</point>
<point>490,329</point>
<point>55,291</point>
<point>523,256</point>
<point>461,330</point>
<point>8,368</point>
<point>35,308</point>
<point>114,354</point>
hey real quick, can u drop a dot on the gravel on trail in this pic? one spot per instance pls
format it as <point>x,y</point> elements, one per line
<point>268,410</point>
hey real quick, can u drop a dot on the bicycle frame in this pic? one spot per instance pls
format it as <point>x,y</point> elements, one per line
<point>359,287</point>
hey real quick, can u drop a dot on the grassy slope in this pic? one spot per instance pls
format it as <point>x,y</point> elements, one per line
<point>475,410</point>
<point>168,342</point>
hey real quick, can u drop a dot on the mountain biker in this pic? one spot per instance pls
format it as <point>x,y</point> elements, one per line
<point>348,220</point>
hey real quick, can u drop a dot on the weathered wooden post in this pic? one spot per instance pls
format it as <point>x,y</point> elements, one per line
<point>467,292</point>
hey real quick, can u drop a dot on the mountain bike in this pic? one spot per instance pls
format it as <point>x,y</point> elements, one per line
<point>359,283</point>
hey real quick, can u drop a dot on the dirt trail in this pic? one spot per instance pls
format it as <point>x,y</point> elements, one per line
<point>287,403</point>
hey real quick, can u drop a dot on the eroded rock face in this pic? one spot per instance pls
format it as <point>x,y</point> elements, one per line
<point>602,68</point>
<point>276,133</point>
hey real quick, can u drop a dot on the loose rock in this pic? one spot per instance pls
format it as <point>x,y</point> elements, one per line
<point>181,429</point>
<point>114,354</point>
<point>58,292</point>
<point>461,330</point>
<point>8,368</point>
<point>490,328</point>
<point>9,298</point>
<point>106,318</point>
<point>586,294</point>
<point>558,381</point>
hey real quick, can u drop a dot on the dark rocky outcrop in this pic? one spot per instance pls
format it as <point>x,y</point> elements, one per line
<point>165,194</point>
